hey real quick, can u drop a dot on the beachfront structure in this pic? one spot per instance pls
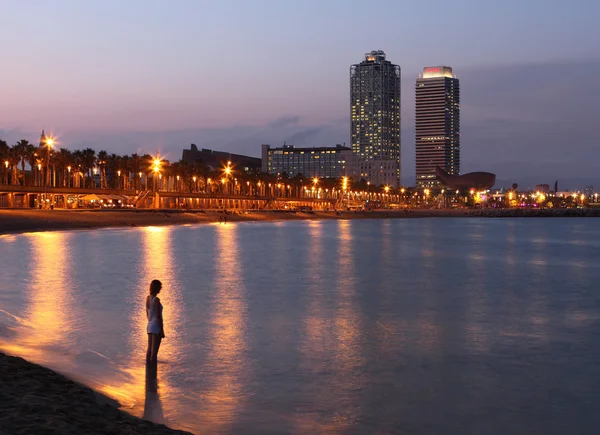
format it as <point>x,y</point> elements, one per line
<point>320,162</point>
<point>375,118</point>
<point>437,125</point>
<point>218,159</point>
<point>465,182</point>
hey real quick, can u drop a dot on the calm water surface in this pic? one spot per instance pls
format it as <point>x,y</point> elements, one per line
<point>414,326</point>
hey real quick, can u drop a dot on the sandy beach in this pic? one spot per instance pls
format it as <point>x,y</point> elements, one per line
<point>35,400</point>
<point>30,220</point>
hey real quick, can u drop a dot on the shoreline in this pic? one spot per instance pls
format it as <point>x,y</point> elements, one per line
<point>14,221</point>
<point>35,399</point>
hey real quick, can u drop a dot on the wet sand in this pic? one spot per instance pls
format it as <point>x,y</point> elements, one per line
<point>35,400</point>
<point>29,220</point>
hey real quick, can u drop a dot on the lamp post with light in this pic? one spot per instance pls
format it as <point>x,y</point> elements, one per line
<point>49,142</point>
<point>156,170</point>
<point>227,173</point>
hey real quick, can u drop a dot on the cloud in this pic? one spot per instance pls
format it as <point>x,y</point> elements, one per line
<point>285,121</point>
<point>527,121</point>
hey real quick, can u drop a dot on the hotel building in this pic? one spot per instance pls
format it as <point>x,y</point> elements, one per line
<point>321,162</point>
<point>375,119</point>
<point>437,125</point>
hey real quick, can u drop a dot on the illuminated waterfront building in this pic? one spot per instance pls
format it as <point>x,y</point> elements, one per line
<point>437,125</point>
<point>375,119</point>
<point>217,159</point>
<point>321,162</point>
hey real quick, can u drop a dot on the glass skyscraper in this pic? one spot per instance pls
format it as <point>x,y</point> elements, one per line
<point>437,124</point>
<point>375,119</point>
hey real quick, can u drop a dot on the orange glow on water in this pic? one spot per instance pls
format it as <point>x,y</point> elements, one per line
<point>134,391</point>
<point>347,324</point>
<point>48,317</point>
<point>226,338</point>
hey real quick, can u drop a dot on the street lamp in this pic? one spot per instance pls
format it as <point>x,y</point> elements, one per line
<point>49,144</point>
<point>156,170</point>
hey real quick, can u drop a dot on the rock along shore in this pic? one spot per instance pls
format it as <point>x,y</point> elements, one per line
<point>36,400</point>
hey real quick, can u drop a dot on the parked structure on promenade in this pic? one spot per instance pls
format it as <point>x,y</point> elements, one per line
<point>320,162</point>
<point>375,119</point>
<point>472,180</point>
<point>217,159</point>
<point>437,125</point>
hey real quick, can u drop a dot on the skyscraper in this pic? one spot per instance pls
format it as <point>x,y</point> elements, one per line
<point>375,119</point>
<point>437,124</point>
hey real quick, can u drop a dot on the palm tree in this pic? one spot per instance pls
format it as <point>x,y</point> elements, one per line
<point>4,155</point>
<point>112,163</point>
<point>88,160</point>
<point>32,157</point>
<point>64,159</point>
<point>101,160</point>
<point>13,163</point>
<point>77,165</point>
<point>23,151</point>
<point>134,168</point>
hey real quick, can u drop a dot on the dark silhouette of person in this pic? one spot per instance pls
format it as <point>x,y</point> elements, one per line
<point>155,328</point>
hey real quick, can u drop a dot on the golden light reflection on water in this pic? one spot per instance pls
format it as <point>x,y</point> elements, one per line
<point>133,390</point>
<point>349,357</point>
<point>527,300</point>
<point>227,343</point>
<point>48,318</point>
<point>315,324</point>
<point>317,342</point>
<point>429,335</point>
<point>477,334</point>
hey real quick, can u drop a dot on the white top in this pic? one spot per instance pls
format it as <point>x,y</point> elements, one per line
<point>153,319</point>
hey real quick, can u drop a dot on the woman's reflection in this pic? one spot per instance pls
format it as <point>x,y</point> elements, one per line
<point>153,410</point>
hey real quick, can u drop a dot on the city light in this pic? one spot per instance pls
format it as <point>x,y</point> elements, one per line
<point>387,189</point>
<point>315,180</point>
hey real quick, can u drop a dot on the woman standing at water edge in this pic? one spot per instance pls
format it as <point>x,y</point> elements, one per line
<point>155,327</point>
